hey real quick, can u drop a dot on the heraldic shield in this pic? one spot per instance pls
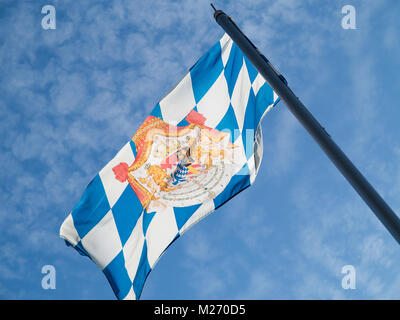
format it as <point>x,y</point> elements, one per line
<point>199,147</point>
<point>178,166</point>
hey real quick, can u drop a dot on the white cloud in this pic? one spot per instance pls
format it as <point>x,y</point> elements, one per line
<point>71,98</point>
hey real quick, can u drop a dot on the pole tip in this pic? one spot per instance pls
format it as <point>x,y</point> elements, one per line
<point>216,12</point>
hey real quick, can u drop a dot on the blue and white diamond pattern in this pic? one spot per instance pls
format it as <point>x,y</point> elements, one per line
<point>109,224</point>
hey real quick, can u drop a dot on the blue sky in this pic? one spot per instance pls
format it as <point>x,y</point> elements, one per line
<point>70,98</point>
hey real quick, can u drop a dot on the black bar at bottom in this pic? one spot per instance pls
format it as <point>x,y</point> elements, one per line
<point>278,83</point>
<point>200,309</point>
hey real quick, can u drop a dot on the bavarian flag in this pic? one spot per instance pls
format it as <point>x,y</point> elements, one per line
<point>200,146</point>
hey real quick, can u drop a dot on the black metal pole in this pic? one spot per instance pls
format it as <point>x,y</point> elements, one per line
<point>278,83</point>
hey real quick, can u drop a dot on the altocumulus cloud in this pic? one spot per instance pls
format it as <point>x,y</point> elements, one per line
<point>70,98</point>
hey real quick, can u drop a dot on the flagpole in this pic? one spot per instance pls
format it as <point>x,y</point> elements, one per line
<point>279,84</point>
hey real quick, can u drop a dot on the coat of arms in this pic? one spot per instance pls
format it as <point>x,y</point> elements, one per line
<point>178,166</point>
